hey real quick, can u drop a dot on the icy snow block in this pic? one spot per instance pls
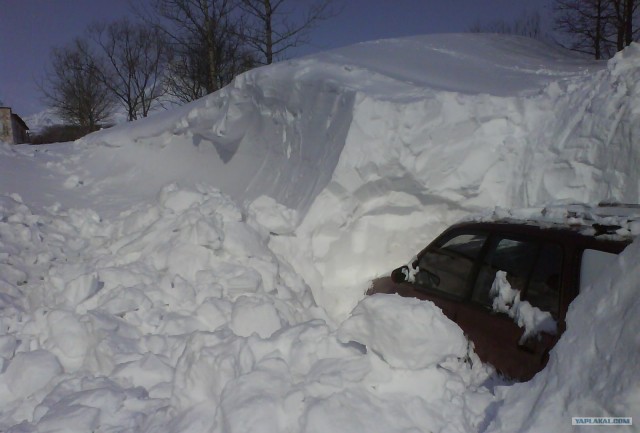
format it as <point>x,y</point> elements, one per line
<point>254,316</point>
<point>404,332</point>
<point>28,372</point>
<point>273,216</point>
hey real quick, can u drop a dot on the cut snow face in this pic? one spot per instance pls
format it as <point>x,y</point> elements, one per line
<point>194,271</point>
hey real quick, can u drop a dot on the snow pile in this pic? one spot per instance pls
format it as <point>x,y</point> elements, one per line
<point>421,337</point>
<point>413,164</point>
<point>507,300</point>
<point>592,370</point>
<point>176,316</point>
<point>377,147</point>
<point>203,269</point>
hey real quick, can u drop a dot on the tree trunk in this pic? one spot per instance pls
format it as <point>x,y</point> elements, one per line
<point>628,21</point>
<point>268,27</point>
<point>598,37</point>
<point>211,54</point>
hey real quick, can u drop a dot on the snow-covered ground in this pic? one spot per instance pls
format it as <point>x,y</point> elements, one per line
<point>203,269</point>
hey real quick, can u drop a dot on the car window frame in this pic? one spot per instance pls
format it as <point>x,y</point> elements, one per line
<point>491,233</point>
<point>539,242</point>
<point>438,243</point>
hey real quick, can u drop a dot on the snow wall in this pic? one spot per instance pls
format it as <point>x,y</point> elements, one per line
<point>378,146</point>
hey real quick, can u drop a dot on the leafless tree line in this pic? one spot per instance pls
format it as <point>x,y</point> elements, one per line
<point>598,27</point>
<point>177,50</point>
<point>529,24</point>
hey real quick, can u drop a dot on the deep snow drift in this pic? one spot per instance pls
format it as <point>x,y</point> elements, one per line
<point>201,270</point>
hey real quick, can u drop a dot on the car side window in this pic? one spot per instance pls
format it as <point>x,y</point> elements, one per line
<point>532,268</point>
<point>447,266</point>
<point>544,286</point>
<point>515,257</point>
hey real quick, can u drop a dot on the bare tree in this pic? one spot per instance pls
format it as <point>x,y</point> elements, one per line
<point>588,25</point>
<point>598,27</point>
<point>272,29</point>
<point>135,55</point>
<point>74,88</point>
<point>187,72</point>
<point>529,25</point>
<point>623,20</point>
<point>208,50</point>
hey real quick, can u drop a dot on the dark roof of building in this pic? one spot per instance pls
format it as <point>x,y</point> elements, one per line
<point>19,120</point>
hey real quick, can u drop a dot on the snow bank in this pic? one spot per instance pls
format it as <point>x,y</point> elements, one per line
<point>198,270</point>
<point>592,371</point>
<point>412,166</point>
<point>376,147</point>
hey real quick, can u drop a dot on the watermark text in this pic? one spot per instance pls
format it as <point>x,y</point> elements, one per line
<point>602,420</point>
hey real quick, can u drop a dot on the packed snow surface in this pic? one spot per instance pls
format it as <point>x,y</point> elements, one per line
<point>203,269</point>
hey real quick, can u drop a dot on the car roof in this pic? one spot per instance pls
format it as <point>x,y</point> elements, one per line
<point>605,223</point>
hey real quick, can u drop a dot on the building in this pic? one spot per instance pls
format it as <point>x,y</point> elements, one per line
<point>12,128</point>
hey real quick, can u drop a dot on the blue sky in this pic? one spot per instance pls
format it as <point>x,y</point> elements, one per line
<point>30,28</point>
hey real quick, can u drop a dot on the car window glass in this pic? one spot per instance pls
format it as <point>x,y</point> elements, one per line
<point>543,290</point>
<point>515,257</point>
<point>448,266</point>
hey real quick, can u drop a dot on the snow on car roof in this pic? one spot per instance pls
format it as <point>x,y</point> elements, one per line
<point>614,220</point>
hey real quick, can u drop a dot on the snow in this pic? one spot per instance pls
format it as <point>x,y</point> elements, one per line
<point>394,328</point>
<point>603,378</point>
<point>204,269</point>
<point>507,300</point>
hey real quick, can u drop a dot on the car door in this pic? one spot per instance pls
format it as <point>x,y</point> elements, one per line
<point>445,270</point>
<point>529,264</point>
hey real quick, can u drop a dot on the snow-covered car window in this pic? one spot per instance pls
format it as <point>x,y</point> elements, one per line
<point>515,257</point>
<point>447,268</point>
<point>468,244</point>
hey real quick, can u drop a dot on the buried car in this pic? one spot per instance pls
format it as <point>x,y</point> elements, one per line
<point>508,282</point>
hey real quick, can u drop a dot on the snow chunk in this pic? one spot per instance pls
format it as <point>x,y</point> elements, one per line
<point>405,332</point>
<point>73,182</point>
<point>507,300</point>
<point>27,373</point>
<point>253,315</point>
<point>69,338</point>
<point>71,419</point>
<point>273,216</point>
<point>147,372</point>
<point>179,200</point>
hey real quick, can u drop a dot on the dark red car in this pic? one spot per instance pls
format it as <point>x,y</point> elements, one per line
<point>547,263</point>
